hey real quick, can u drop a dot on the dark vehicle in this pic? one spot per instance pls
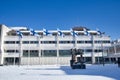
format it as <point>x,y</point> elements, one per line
<point>77,61</point>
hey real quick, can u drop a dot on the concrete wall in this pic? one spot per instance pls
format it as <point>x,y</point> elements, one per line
<point>45,60</point>
<point>3,31</point>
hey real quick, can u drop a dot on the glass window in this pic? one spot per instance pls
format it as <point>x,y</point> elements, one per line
<point>12,51</point>
<point>9,42</point>
<point>25,53</point>
<point>88,50</point>
<point>25,42</point>
<point>66,42</point>
<point>49,53</point>
<point>34,42</point>
<point>17,42</point>
<point>48,42</point>
<point>33,53</point>
<point>64,53</point>
<point>80,41</point>
<point>88,41</point>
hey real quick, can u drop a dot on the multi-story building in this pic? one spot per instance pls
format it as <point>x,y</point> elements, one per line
<point>113,52</point>
<point>51,47</point>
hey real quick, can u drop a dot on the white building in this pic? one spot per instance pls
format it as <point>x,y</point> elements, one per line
<point>113,52</point>
<point>51,48</point>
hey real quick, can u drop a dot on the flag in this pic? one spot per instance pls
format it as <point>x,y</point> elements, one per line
<point>99,32</point>
<point>86,32</point>
<point>19,34</point>
<point>60,32</point>
<point>73,33</point>
<point>33,32</point>
<point>45,32</point>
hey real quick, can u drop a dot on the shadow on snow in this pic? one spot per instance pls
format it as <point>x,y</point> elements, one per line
<point>111,71</point>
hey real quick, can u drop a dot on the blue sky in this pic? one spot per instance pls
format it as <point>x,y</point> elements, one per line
<point>63,14</point>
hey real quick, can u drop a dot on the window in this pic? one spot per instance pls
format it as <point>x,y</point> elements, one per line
<point>80,42</point>
<point>25,53</point>
<point>66,42</point>
<point>88,41</point>
<point>9,42</point>
<point>25,42</point>
<point>48,42</point>
<point>31,53</point>
<point>88,50</point>
<point>34,53</point>
<point>97,50</point>
<point>34,42</point>
<point>64,53</point>
<point>17,42</point>
<point>104,41</point>
<point>49,53</point>
<point>12,51</point>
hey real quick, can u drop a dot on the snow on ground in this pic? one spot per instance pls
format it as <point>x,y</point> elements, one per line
<point>57,72</point>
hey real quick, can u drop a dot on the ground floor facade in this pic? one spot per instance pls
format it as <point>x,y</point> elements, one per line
<point>53,60</point>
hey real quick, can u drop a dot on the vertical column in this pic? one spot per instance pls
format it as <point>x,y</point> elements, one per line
<point>57,49</point>
<point>1,46</point>
<point>93,47</point>
<point>102,52</point>
<point>3,30</point>
<point>14,53</point>
<point>29,51</point>
<point>39,48</point>
<point>20,51</point>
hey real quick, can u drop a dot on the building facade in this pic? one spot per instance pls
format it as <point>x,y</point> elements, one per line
<point>51,47</point>
<point>113,52</point>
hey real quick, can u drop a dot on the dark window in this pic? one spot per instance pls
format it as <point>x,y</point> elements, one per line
<point>12,51</point>
<point>34,53</point>
<point>31,53</point>
<point>88,50</point>
<point>80,41</point>
<point>25,42</point>
<point>49,53</point>
<point>66,42</point>
<point>9,42</point>
<point>104,41</point>
<point>25,53</point>
<point>48,42</point>
<point>34,42</point>
<point>17,42</point>
<point>64,53</point>
<point>88,41</point>
<point>97,50</point>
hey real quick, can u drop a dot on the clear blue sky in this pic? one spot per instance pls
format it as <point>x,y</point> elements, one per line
<point>63,14</point>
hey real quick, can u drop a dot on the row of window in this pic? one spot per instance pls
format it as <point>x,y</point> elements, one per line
<point>48,53</point>
<point>53,42</point>
<point>113,49</point>
<point>12,51</point>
